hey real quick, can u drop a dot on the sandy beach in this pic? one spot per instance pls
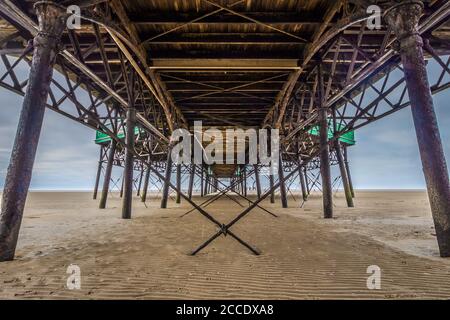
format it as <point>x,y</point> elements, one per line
<point>303,256</point>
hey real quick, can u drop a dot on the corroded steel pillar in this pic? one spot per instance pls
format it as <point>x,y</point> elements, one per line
<point>201,181</point>
<point>341,162</point>
<point>52,21</point>
<point>216,184</point>
<point>283,194</point>
<point>347,169</point>
<point>108,172</point>
<point>121,188</point>
<point>146,181</point>
<point>129,164</point>
<point>305,174</point>
<point>258,182</point>
<point>99,171</point>
<point>403,19</point>
<point>344,176</point>
<point>302,183</point>
<point>178,183</point>
<point>141,176</point>
<point>191,180</point>
<point>325,152</point>
<point>301,177</point>
<point>205,192</point>
<point>244,181</point>
<point>271,185</point>
<point>165,191</point>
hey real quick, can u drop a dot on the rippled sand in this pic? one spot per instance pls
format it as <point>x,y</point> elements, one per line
<point>304,256</point>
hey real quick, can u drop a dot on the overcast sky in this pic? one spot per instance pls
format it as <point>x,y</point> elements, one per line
<point>385,157</point>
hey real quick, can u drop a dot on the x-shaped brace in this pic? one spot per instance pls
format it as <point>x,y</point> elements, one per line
<point>224,229</point>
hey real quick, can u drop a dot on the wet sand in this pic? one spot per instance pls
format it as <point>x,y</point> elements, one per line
<point>303,256</point>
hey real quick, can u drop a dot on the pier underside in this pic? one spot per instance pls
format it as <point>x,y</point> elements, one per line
<point>138,72</point>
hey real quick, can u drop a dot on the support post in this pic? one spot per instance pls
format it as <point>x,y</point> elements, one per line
<point>271,184</point>
<point>344,176</point>
<point>305,174</point>
<point>205,192</point>
<point>141,176</point>
<point>129,163</point>
<point>146,181</point>
<point>302,183</point>
<point>202,194</point>
<point>325,151</point>
<point>244,176</point>
<point>121,188</point>
<point>99,171</point>
<point>301,177</point>
<point>179,183</point>
<point>283,195</point>
<point>342,169</point>
<point>165,192</point>
<point>52,21</point>
<point>108,172</point>
<point>191,180</point>
<point>347,168</point>
<point>403,18</point>
<point>258,182</point>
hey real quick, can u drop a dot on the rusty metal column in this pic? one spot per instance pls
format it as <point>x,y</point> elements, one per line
<point>244,181</point>
<point>344,176</point>
<point>52,21</point>
<point>258,182</point>
<point>178,183</point>
<point>108,172</point>
<point>129,163</point>
<point>141,176</point>
<point>301,177</point>
<point>201,181</point>
<point>165,192</point>
<point>191,180</point>
<point>325,171</point>
<point>283,194</point>
<point>347,169</point>
<point>121,188</point>
<point>205,192</point>
<point>305,174</point>
<point>342,169</point>
<point>302,183</point>
<point>146,181</point>
<point>271,185</point>
<point>99,171</point>
<point>403,19</point>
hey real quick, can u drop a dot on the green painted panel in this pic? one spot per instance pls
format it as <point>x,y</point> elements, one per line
<point>348,138</point>
<point>101,137</point>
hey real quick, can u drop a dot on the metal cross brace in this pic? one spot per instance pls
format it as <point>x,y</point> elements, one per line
<point>227,189</point>
<point>225,228</point>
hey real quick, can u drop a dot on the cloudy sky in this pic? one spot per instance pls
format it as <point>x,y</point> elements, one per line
<point>386,155</point>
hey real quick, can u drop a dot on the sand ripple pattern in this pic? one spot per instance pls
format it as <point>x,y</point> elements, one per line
<point>146,258</point>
